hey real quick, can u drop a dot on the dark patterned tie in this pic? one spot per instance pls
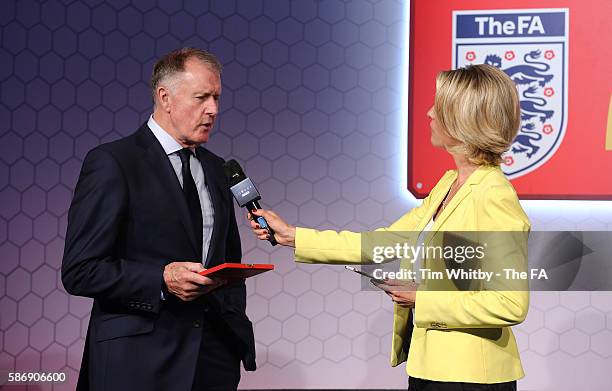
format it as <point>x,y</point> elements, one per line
<point>191,195</point>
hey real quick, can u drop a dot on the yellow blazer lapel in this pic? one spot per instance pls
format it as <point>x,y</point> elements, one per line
<point>474,179</point>
<point>437,196</point>
<point>451,206</point>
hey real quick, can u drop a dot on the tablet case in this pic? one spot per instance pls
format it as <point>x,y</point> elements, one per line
<point>236,271</point>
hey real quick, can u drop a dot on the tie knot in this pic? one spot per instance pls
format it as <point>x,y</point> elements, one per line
<point>184,154</point>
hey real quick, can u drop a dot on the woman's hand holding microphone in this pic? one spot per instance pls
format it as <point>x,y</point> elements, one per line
<point>283,233</point>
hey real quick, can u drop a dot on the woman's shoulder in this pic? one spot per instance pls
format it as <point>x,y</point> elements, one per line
<point>496,197</point>
<point>484,176</point>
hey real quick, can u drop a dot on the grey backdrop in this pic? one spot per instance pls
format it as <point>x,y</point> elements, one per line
<point>312,108</point>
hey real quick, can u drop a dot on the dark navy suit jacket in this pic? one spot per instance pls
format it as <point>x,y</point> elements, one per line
<point>127,220</point>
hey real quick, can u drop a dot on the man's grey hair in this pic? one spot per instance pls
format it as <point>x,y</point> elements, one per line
<point>174,62</point>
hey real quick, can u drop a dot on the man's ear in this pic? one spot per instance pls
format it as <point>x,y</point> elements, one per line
<point>164,98</point>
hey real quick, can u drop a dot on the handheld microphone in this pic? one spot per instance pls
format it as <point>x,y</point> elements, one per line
<point>246,194</point>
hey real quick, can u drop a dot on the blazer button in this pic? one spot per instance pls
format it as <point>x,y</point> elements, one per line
<point>196,324</point>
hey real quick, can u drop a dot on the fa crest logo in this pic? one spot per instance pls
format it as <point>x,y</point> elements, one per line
<point>531,47</point>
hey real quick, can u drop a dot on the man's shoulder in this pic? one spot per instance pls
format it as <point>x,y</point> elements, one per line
<point>124,147</point>
<point>124,143</point>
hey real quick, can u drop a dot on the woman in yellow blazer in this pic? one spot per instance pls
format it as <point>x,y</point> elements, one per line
<point>461,340</point>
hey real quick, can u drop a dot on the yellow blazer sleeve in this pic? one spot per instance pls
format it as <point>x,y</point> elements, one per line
<point>344,247</point>
<point>497,209</point>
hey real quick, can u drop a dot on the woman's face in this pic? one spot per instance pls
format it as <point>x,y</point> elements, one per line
<point>439,136</point>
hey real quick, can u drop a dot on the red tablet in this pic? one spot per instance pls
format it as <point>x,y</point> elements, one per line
<point>236,271</point>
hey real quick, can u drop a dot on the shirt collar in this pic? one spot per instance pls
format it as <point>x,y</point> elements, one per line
<point>169,144</point>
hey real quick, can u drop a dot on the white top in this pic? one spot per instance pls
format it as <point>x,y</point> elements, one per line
<point>418,262</point>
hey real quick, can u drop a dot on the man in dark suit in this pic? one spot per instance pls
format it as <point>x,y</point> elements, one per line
<point>150,211</point>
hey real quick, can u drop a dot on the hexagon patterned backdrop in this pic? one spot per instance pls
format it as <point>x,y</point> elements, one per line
<point>311,107</point>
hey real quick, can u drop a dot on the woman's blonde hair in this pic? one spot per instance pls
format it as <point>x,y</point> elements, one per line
<point>478,106</point>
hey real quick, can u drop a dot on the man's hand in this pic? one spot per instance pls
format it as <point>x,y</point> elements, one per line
<point>283,233</point>
<point>401,292</point>
<point>183,281</point>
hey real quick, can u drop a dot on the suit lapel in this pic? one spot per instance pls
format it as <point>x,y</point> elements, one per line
<point>214,190</point>
<point>162,168</point>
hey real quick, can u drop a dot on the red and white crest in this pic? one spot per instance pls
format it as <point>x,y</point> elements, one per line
<point>531,47</point>
<point>564,147</point>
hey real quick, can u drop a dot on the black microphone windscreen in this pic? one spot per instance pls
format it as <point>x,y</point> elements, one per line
<point>233,172</point>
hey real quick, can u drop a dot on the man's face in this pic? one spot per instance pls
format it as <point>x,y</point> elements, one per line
<point>193,103</point>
